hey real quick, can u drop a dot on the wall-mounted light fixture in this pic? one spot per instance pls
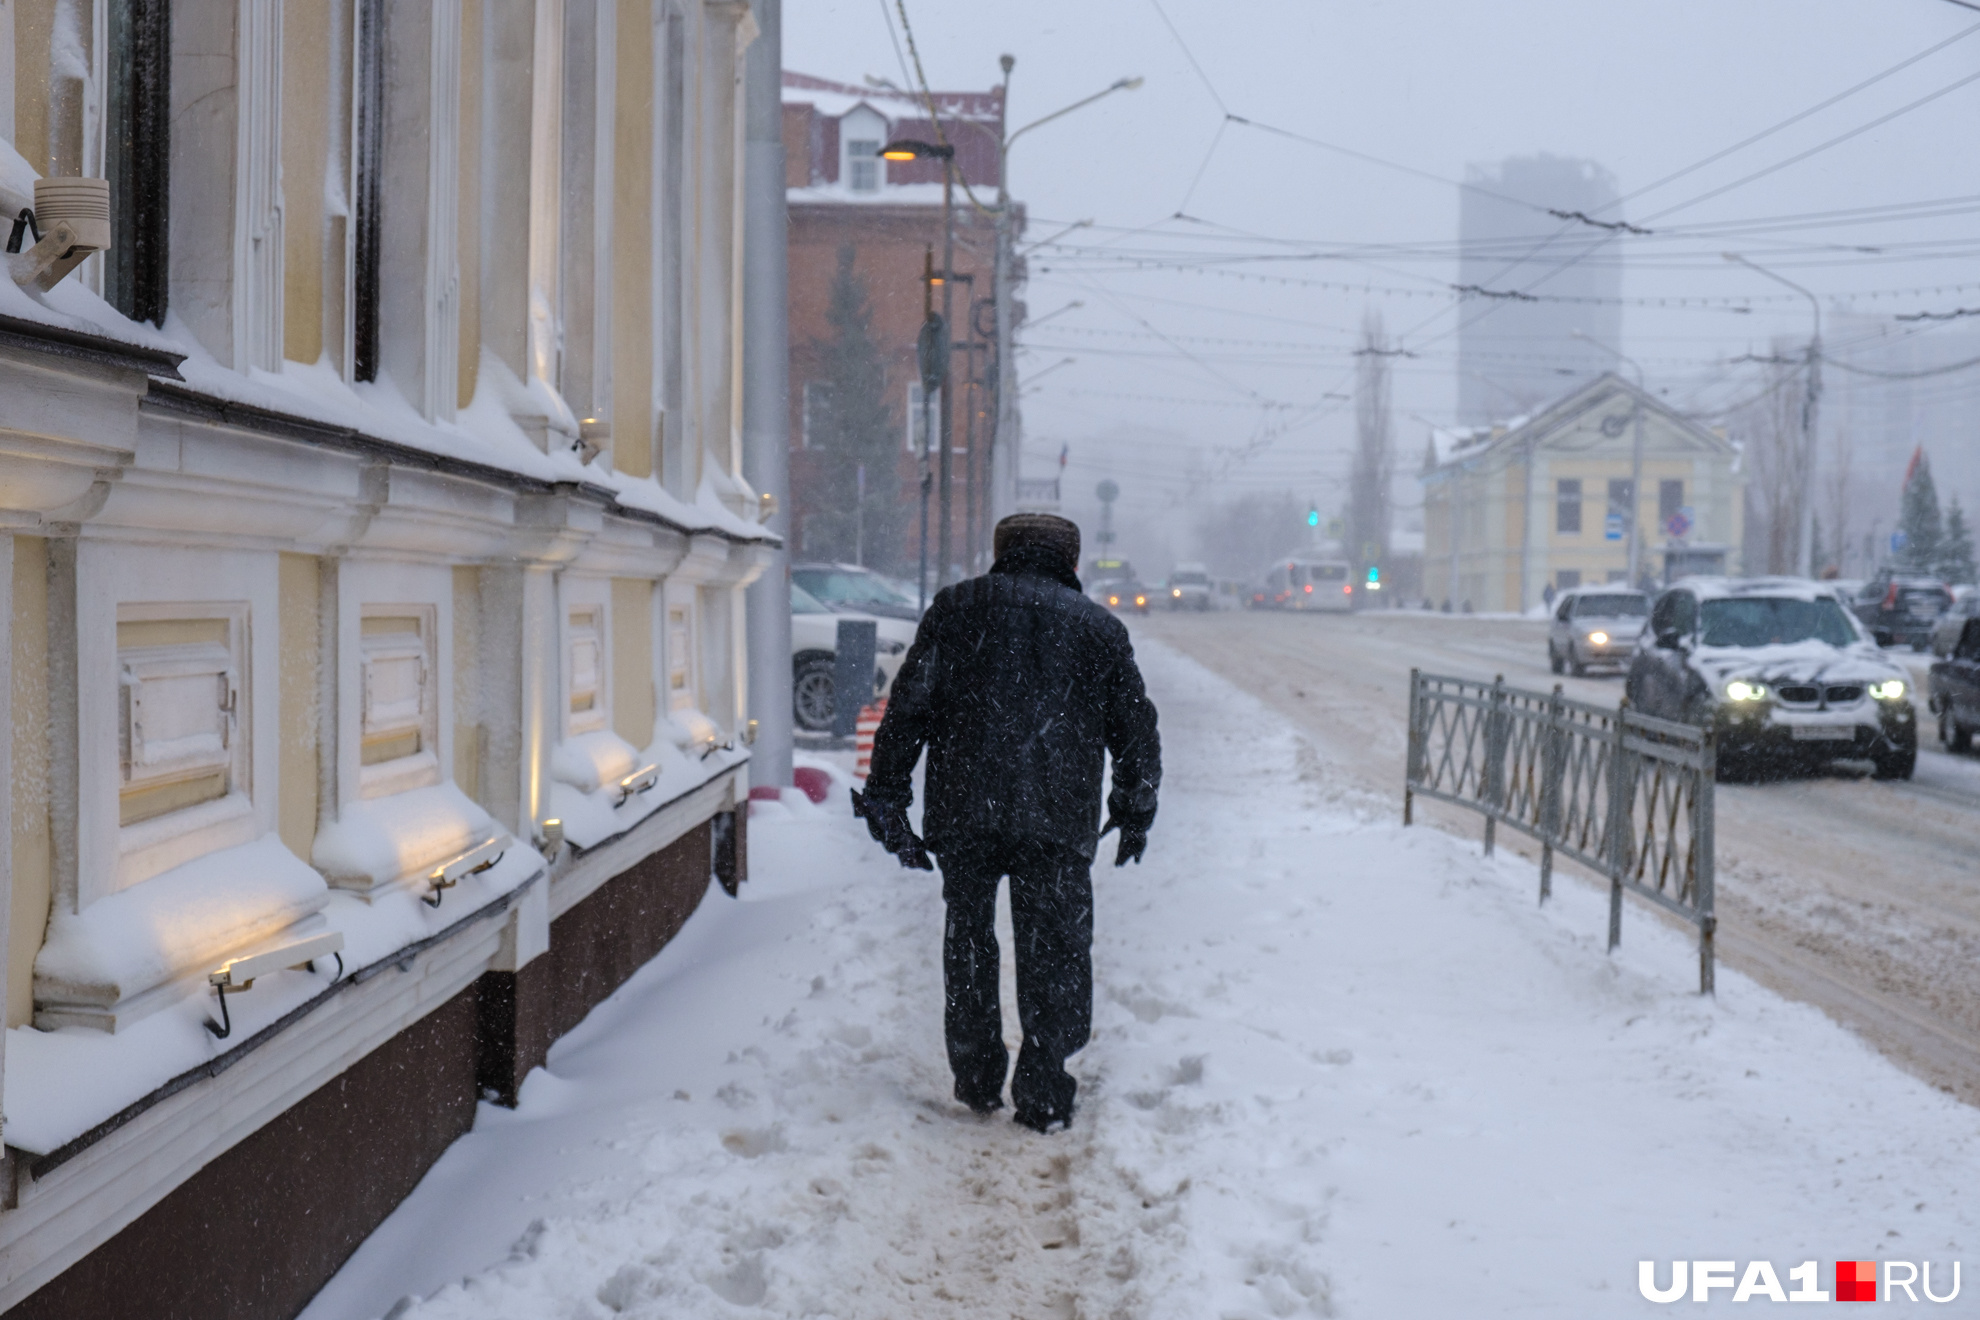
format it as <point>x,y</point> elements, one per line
<point>766,506</point>
<point>750,730</point>
<point>550,838</point>
<point>594,438</point>
<point>239,974</point>
<point>472,862</point>
<point>639,781</point>
<point>69,221</point>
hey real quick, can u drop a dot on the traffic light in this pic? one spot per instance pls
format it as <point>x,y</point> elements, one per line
<point>1313,517</point>
<point>1374,578</point>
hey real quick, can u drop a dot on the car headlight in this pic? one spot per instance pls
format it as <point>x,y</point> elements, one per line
<point>1741,690</point>
<point>1141,600</point>
<point>1175,591</point>
<point>1891,689</point>
<point>1599,638</point>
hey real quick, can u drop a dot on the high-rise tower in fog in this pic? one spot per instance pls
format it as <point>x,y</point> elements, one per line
<point>1514,355</point>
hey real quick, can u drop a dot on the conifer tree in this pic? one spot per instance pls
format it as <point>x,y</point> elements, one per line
<point>854,429</point>
<point>1956,562</point>
<point>1919,520</point>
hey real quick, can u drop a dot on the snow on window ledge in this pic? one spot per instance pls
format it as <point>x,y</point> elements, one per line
<point>61,1084</point>
<point>585,795</point>
<point>125,956</point>
<point>387,842</point>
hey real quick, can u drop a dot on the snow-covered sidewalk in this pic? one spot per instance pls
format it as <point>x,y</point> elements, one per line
<point>1339,1068</point>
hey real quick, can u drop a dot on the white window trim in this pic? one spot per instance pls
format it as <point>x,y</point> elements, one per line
<point>422,767</point>
<point>149,847</point>
<point>584,595</point>
<point>679,655</point>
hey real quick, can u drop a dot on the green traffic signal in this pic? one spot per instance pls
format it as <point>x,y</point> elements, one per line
<point>1313,517</point>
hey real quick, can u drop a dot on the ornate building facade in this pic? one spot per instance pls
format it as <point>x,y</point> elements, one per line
<point>375,542</point>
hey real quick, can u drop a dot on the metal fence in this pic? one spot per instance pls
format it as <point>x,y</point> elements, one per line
<point>1626,795</point>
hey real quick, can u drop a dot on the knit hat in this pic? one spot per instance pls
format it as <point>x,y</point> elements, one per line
<point>1044,529</point>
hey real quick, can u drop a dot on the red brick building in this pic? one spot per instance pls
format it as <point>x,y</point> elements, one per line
<point>887,216</point>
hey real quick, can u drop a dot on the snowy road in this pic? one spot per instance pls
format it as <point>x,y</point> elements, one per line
<point>1861,897</point>
<point>1339,1068</point>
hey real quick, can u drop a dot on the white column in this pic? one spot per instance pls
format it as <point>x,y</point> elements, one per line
<point>545,190</point>
<point>419,294</point>
<point>258,189</point>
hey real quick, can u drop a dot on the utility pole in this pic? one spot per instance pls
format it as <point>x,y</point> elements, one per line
<point>948,407</point>
<point>1004,453</point>
<point>1810,403</point>
<point>766,393</point>
<point>1003,426</point>
<point>932,356</point>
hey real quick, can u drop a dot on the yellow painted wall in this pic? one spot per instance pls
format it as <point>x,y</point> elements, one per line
<point>34,27</point>
<point>306,37</point>
<point>301,654</point>
<point>467,664</point>
<point>29,912</point>
<point>635,700</point>
<point>632,248</point>
<point>470,201</point>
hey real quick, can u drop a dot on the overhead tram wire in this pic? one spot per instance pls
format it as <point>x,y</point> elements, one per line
<point>1798,157</point>
<point>1843,95</point>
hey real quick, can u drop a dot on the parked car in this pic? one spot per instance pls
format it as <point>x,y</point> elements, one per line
<point>1899,610</point>
<point>1955,685</point>
<point>1595,626</point>
<point>1946,632</point>
<point>1780,669</point>
<point>815,652</point>
<point>1189,587</point>
<point>849,588</point>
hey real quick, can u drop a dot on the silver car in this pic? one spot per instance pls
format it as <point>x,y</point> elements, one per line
<point>1595,626</point>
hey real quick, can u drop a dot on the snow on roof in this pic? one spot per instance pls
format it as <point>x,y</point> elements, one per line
<point>835,99</point>
<point>894,194</point>
<point>1790,588</point>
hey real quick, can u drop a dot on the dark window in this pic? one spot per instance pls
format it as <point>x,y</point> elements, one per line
<point>1619,501</point>
<point>1670,499</point>
<point>368,151</point>
<point>1567,577</point>
<point>1567,510</point>
<point>137,157</point>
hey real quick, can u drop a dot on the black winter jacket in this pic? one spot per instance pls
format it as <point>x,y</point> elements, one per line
<point>1017,684</point>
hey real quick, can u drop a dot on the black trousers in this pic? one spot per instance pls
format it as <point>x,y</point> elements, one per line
<point>1052,917</point>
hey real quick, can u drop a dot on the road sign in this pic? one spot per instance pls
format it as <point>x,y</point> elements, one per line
<point>1678,525</point>
<point>1612,527</point>
<point>1107,491</point>
<point>1899,541</point>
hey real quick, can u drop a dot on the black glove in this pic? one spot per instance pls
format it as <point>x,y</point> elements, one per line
<point>1134,836</point>
<point>890,829</point>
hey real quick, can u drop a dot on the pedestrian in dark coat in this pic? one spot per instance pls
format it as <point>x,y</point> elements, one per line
<point>1019,686</point>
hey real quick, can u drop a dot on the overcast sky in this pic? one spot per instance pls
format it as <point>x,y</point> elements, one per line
<point>1159,396</point>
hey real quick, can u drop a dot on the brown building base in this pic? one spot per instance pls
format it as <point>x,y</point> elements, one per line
<point>255,1234</point>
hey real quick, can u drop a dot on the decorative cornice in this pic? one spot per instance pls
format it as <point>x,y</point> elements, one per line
<point>78,346</point>
<point>183,401</point>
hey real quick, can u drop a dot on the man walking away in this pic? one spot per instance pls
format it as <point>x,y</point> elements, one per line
<point>1018,686</point>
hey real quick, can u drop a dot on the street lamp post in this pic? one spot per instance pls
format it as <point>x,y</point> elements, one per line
<point>1004,453</point>
<point>1810,400</point>
<point>905,149</point>
<point>1635,550</point>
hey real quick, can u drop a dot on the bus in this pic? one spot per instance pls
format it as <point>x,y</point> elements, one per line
<point>1306,582</point>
